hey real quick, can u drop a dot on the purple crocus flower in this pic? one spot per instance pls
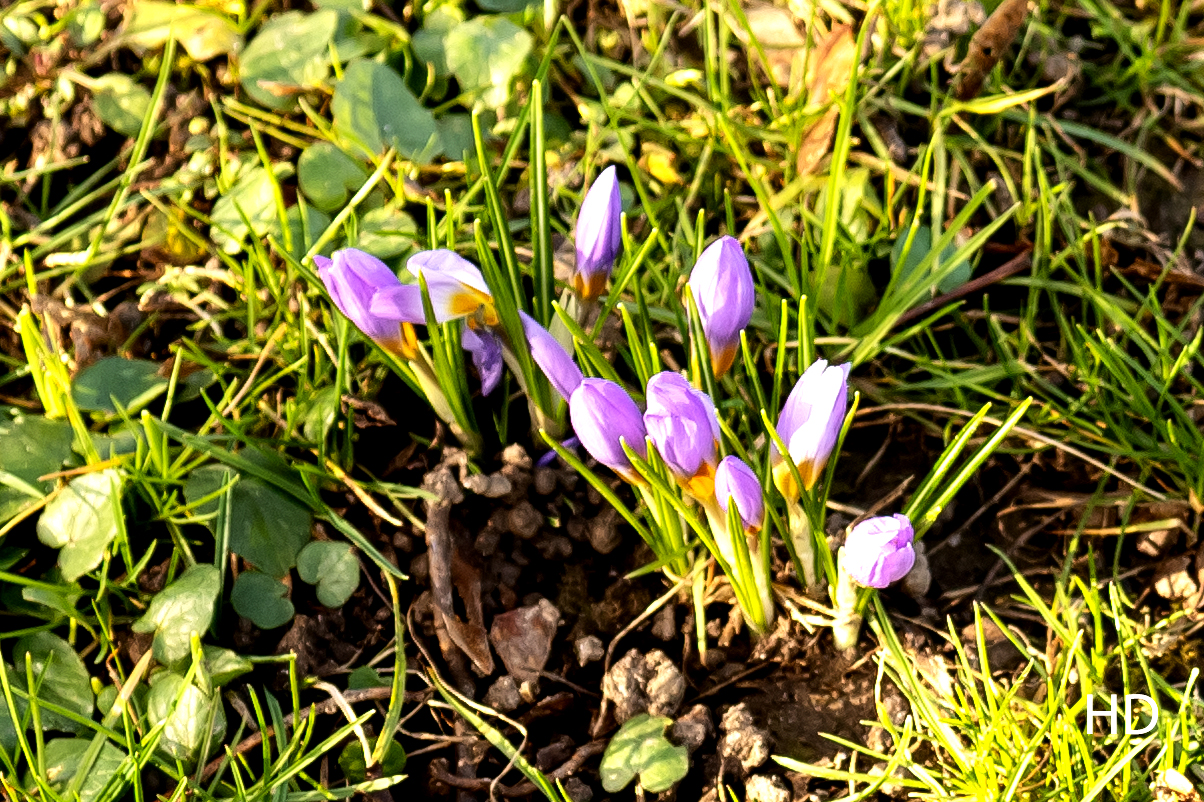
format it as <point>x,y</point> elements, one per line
<point>681,423</point>
<point>455,285</point>
<point>604,417</point>
<point>879,551</point>
<point>810,424</point>
<point>353,278</point>
<point>736,482</point>
<point>722,286</point>
<point>552,359</point>
<point>599,236</point>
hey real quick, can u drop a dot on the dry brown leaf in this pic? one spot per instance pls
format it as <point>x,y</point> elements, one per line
<point>988,45</point>
<point>816,142</point>
<point>776,31</point>
<point>833,59</point>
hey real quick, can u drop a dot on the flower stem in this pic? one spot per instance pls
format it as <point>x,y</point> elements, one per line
<point>804,543</point>
<point>847,625</point>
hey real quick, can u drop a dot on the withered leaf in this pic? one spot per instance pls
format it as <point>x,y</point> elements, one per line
<point>988,45</point>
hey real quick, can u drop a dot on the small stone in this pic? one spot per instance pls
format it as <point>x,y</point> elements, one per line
<point>577,790</point>
<point>524,520</point>
<point>523,638</point>
<point>503,695</point>
<point>743,741</point>
<point>420,567</point>
<point>545,481</point>
<point>767,788</point>
<point>693,728</point>
<point>919,579</point>
<point>555,753</point>
<point>664,624</point>
<point>516,455</point>
<point>603,534</point>
<point>589,650</point>
<point>403,542</point>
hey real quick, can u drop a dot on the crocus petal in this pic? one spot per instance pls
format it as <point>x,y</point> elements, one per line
<point>552,359</point>
<point>603,417</point>
<point>486,350</point>
<point>682,425</point>
<point>736,482</point>
<point>811,420</point>
<point>353,278</point>
<point>456,286</point>
<point>599,235</point>
<point>722,285</point>
<point>879,551</point>
<point>571,444</point>
<point>401,303</point>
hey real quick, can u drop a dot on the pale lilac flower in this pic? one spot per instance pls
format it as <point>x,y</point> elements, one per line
<point>353,278</point>
<point>810,424</point>
<point>486,350</point>
<point>879,551</point>
<point>604,417</point>
<point>681,423</point>
<point>736,482</point>
<point>722,285</point>
<point>599,236</point>
<point>455,285</point>
<point>553,360</point>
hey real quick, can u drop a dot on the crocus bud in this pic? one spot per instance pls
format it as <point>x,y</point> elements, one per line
<point>682,425</point>
<point>599,236</point>
<point>604,417</point>
<point>552,359</point>
<point>736,482</point>
<point>810,424</point>
<point>722,286</point>
<point>879,551</point>
<point>353,278</point>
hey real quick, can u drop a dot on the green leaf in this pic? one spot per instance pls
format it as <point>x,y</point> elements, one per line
<point>187,727</point>
<point>224,665</point>
<point>254,196</point>
<point>387,232</point>
<point>120,102</point>
<point>8,716</point>
<point>304,236</point>
<point>183,607</point>
<point>921,245</point>
<point>30,446</point>
<point>321,409</point>
<point>503,6</point>
<point>365,677</point>
<point>486,53</point>
<point>134,383</point>
<point>328,176</point>
<point>333,568</point>
<point>355,768</point>
<point>261,599</point>
<point>81,521</point>
<point>204,34</point>
<point>640,748</point>
<point>374,110</point>
<point>59,676</point>
<point>267,528</point>
<point>428,43</point>
<point>290,53</point>
<point>62,758</point>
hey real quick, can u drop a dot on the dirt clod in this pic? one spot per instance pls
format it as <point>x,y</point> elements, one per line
<point>744,744</point>
<point>603,535</point>
<point>589,650</point>
<point>644,684</point>
<point>767,788</point>
<point>694,728</point>
<point>503,695</point>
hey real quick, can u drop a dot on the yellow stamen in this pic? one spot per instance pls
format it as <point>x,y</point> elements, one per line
<point>702,484</point>
<point>784,479</point>
<point>721,362</point>
<point>588,289</point>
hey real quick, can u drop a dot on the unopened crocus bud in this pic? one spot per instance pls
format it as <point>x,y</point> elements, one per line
<point>810,424</point>
<point>736,483</point>
<point>682,425</point>
<point>353,278</point>
<point>879,551</point>
<point>722,286</point>
<point>552,359</point>
<point>604,417</point>
<point>599,236</point>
